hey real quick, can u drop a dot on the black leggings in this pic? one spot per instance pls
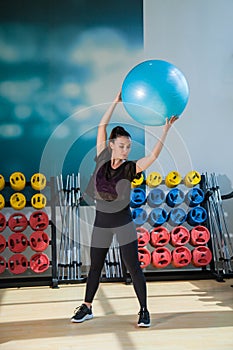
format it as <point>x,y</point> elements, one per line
<point>101,240</point>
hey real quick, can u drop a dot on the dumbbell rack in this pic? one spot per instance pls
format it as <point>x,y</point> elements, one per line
<point>29,277</point>
<point>171,272</point>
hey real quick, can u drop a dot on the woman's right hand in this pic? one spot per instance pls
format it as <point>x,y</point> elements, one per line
<point>118,97</point>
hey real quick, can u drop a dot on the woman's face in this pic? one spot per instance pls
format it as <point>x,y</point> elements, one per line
<point>120,147</point>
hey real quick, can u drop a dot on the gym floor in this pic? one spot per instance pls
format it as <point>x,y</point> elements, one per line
<point>185,315</point>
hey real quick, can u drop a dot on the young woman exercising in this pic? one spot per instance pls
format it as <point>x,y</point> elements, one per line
<point>111,183</point>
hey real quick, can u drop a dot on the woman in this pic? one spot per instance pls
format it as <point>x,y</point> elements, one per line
<point>111,183</point>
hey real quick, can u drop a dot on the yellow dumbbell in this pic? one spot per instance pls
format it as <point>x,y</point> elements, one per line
<point>38,181</point>
<point>192,178</point>
<point>38,201</point>
<point>17,181</point>
<point>154,179</point>
<point>138,180</point>
<point>17,201</point>
<point>2,182</point>
<point>173,179</point>
<point>2,202</point>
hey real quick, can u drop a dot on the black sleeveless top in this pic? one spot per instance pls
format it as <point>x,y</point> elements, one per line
<point>111,187</point>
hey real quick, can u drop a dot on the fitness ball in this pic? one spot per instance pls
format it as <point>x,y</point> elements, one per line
<point>153,91</point>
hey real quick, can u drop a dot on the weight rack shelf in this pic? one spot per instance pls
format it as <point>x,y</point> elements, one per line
<point>29,277</point>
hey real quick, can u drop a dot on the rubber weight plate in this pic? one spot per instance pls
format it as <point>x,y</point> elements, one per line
<point>38,181</point>
<point>17,264</point>
<point>17,201</point>
<point>154,179</point>
<point>192,178</point>
<point>17,222</point>
<point>38,201</point>
<point>17,181</point>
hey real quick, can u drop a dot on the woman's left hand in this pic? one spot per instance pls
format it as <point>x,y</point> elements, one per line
<point>169,122</point>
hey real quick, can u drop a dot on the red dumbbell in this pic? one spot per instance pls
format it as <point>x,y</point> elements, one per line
<point>17,242</point>
<point>17,222</point>
<point>39,263</point>
<point>199,235</point>
<point>144,257</point>
<point>161,257</point>
<point>2,243</point>
<point>2,264</point>
<point>17,264</point>
<point>39,241</point>
<point>159,237</point>
<point>143,236</point>
<point>201,256</point>
<point>181,256</point>
<point>179,236</point>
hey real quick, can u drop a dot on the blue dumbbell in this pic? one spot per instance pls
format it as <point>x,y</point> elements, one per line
<point>196,216</point>
<point>155,197</point>
<point>157,217</point>
<point>137,197</point>
<point>177,216</point>
<point>194,197</point>
<point>139,216</point>
<point>174,197</point>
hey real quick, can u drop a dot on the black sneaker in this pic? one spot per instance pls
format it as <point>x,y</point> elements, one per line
<point>82,313</point>
<point>144,318</point>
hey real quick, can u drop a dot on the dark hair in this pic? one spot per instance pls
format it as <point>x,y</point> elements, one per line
<point>118,131</point>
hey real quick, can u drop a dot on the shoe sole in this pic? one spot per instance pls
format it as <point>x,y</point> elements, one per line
<point>144,325</point>
<point>85,318</point>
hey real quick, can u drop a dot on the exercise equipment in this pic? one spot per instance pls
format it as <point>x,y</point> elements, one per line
<point>180,236</point>
<point>17,264</point>
<point>2,201</point>
<point>181,256</point>
<point>17,242</point>
<point>199,235</point>
<point>138,180</point>
<point>2,264</point>
<point>157,217</point>
<point>173,179</point>
<point>38,201</point>
<point>39,220</point>
<point>39,241</point>
<point>177,216</point>
<point>194,197</point>
<point>39,263</point>
<point>161,257</point>
<point>17,222</point>
<point>175,197</point>
<point>3,222</point>
<point>137,197</point>
<point>155,197</point>
<point>196,216</point>
<point>38,181</point>
<point>144,257</point>
<point>222,247</point>
<point>154,90</point>
<point>17,181</point>
<point>17,201</point>
<point>112,263</point>
<point>201,256</point>
<point>154,179</point>
<point>2,243</point>
<point>2,182</point>
<point>139,216</point>
<point>69,254</point>
<point>159,236</point>
<point>143,236</point>
<point>192,178</point>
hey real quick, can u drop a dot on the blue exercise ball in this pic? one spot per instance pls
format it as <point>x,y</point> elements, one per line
<point>154,90</point>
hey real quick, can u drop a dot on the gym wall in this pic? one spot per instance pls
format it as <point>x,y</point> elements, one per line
<point>196,36</point>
